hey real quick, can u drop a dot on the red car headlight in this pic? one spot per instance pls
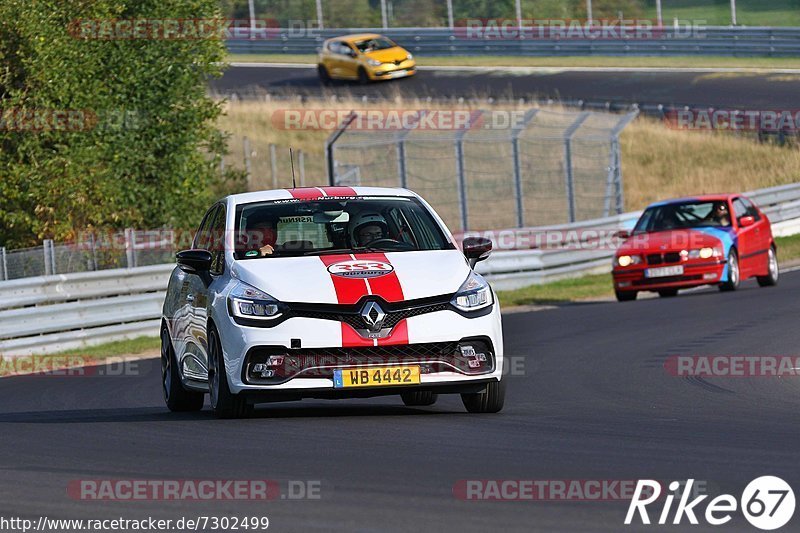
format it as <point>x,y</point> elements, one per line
<point>628,260</point>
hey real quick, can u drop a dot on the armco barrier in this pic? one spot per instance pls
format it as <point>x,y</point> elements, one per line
<point>53,313</point>
<point>667,41</point>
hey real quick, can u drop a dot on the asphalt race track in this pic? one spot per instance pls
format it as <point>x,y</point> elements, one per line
<point>718,89</point>
<point>594,403</point>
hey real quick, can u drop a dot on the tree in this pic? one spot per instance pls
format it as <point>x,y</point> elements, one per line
<point>105,133</point>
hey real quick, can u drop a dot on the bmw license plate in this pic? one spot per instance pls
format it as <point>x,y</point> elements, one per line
<point>375,377</point>
<point>663,272</point>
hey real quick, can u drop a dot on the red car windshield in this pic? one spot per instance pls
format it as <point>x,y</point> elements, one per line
<point>684,216</point>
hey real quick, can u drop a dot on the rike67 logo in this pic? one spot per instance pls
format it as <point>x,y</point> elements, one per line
<point>767,503</point>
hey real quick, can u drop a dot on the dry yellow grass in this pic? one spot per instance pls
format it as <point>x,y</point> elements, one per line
<point>658,162</point>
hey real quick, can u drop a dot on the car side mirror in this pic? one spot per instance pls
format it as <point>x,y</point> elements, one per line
<point>353,53</point>
<point>476,249</point>
<point>746,221</point>
<point>194,261</point>
<point>623,234</point>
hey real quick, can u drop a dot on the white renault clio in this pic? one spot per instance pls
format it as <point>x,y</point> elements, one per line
<point>329,292</point>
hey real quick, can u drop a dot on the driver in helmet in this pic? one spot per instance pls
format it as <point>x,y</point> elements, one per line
<point>368,228</point>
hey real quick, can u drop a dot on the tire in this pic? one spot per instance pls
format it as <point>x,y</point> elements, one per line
<point>419,398</point>
<point>490,400</point>
<point>771,279</point>
<point>363,78</point>
<point>324,76</point>
<point>734,275</point>
<point>224,403</point>
<point>668,293</point>
<point>177,398</point>
<point>626,296</point>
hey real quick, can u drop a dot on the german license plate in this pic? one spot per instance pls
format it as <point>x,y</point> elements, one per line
<point>398,74</point>
<point>344,378</point>
<point>663,272</point>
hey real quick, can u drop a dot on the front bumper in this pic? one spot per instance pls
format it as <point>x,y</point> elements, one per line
<point>311,348</point>
<point>388,71</point>
<point>703,272</point>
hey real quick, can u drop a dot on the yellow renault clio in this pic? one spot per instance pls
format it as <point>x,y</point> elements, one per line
<point>364,57</point>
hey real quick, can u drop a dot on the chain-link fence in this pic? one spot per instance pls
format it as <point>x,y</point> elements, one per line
<point>91,252</point>
<point>494,170</point>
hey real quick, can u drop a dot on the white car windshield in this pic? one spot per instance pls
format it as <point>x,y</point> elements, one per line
<point>353,225</point>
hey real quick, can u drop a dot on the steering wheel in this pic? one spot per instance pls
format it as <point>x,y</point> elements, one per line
<point>387,240</point>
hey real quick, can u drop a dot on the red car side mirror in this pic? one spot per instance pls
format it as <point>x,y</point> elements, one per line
<point>746,221</point>
<point>623,234</point>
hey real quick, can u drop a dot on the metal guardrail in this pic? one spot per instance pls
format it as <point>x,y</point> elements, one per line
<point>667,41</point>
<point>52,313</point>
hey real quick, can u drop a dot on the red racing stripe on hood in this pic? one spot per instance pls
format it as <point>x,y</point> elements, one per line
<point>387,287</point>
<point>348,290</point>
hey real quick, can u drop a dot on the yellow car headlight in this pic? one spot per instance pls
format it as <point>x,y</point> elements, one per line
<point>374,62</point>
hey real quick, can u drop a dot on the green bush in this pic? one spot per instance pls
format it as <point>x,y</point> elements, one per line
<point>130,137</point>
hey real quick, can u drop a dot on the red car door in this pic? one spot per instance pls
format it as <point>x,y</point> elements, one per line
<point>748,236</point>
<point>763,236</point>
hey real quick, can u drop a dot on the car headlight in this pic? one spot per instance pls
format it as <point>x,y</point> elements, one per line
<point>248,302</point>
<point>475,293</point>
<point>628,260</point>
<point>410,56</point>
<point>702,253</point>
<point>374,62</point>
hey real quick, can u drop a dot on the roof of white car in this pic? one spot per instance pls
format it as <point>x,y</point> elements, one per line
<point>317,193</point>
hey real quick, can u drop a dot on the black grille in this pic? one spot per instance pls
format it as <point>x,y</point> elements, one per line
<point>661,259</point>
<point>351,315</point>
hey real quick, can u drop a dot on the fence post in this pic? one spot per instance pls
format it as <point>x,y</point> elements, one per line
<point>48,265</point>
<point>93,245</point>
<point>330,161</point>
<point>4,269</point>
<point>130,252</point>
<point>516,132</point>
<point>569,176</point>
<point>401,158</point>
<point>619,199</point>
<point>248,167</point>
<point>461,179</point>
<point>273,161</point>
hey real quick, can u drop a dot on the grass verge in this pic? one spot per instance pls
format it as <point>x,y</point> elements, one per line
<point>599,286</point>
<point>761,63</point>
<point>136,346</point>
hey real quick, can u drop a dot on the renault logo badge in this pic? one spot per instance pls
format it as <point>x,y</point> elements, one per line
<point>373,316</point>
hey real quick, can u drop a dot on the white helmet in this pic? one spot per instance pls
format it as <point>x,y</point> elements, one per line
<point>366,219</point>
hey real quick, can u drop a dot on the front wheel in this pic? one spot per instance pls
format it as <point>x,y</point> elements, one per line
<point>224,403</point>
<point>625,296</point>
<point>734,277</point>
<point>363,77</point>
<point>771,279</point>
<point>176,397</point>
<point>491,400</point>
<point>324,76</point>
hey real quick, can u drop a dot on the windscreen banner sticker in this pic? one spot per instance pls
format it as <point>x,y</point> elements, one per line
<point>360,269</point>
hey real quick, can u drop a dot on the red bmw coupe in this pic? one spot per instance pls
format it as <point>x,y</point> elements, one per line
<point>676,244</point>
